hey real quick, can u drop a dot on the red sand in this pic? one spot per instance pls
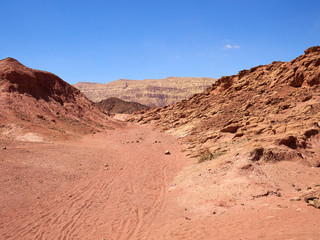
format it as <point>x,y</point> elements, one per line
<point>64,190</point>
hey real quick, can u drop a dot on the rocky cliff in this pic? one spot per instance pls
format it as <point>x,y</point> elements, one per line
<point>39,101</point>
<point>255,134</point>
<point>150,92</point>
<point>274,109</point>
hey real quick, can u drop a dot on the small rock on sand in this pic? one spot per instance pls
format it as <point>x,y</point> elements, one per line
<point>316,203</point>
<point>167,152</point>
<point>295,199</point>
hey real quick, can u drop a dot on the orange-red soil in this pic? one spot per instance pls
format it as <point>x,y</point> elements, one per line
<point>122,185</point>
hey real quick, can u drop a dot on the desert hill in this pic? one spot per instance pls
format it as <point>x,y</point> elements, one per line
<point>258,128</point>
<point>150,92</point>
<point>115,105</point>
<point>33,100</point>
<point>278,102</point>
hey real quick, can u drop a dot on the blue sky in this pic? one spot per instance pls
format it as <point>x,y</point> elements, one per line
<point>102,41</point>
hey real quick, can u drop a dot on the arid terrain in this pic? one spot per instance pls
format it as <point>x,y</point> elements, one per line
<point>239,161</point>
<point>150,92</point>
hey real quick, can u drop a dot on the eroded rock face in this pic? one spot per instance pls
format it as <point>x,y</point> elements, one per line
<point>33,99</point>
<point>274,107</point>
<point>150,92</point>
<point>255,134</point>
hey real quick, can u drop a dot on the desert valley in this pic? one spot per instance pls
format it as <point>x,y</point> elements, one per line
<point>197,158</point>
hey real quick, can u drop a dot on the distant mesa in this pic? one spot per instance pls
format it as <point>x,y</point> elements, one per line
<point>33,99</point>
<point>149,92</point>
<point>117,106</point>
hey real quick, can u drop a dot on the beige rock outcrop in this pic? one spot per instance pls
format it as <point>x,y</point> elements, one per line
<point>150,92</point>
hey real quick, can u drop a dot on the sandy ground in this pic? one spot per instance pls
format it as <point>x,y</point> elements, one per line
<point>122,185</point>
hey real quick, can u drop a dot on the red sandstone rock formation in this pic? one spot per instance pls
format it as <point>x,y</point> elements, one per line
<point>274,108</point>
<point>34,100</point>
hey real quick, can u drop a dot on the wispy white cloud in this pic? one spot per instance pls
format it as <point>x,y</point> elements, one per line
<point>228,46</point>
